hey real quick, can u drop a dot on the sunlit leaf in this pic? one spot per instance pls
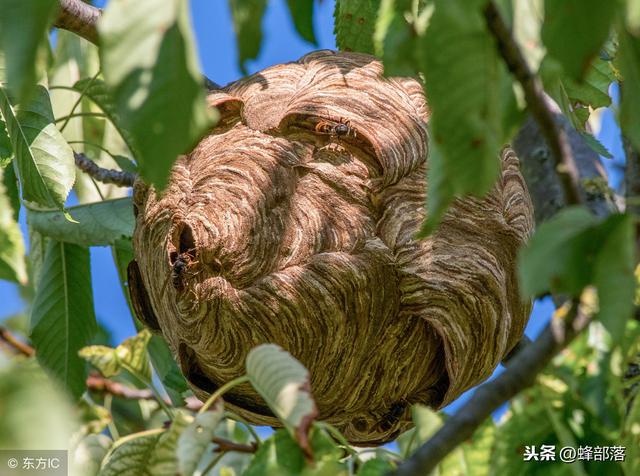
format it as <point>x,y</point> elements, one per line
<point>131,355</point>
<point>23,34</point>
<point>149,61</point>
<point>63,320</point>
<point>99,224</point>
<point>302,16</point>
<point>130,455</point>
<point>12,261</point>
<point>284,384</point>
<point>196,437</point>
<point>355,24</point>
<point>46,166</point>
<point>164,459</point>
<point>574,31</point>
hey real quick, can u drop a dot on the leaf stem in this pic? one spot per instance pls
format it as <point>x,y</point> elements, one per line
<point>79,100</point>
<point>239,419</point>
<point>213,463</point>
<point>222,390</point>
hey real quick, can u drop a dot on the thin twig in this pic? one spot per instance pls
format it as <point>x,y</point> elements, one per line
<point>116,177</point>
<point>99,384</point>
<point>555,136</point>
<point>521,373</point>
<point>79,18</point>
<point>19,346</point>
<point>225,445</point>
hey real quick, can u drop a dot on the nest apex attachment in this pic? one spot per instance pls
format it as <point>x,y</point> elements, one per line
<point>293,223</point>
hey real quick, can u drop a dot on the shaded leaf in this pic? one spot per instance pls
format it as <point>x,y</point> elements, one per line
<point>302,15</point>
<point>99,224</point>
<point>376,467</point>
<point>629,63</point>
<point>466,125</point>
<point>12,260</point>
<point>45,162</point>
<point>574,31</point>
<point>575,249</point>
<point>396,41</point>
<point>196,437</point>
<point>279,455</point>
<point>247,23</point>
<point>23,35</point>
<point>6,151</point>
<point>167,369</point>
<point>62,319</point>
<point>87,456</point>
<point>284,384</point>
<point>355,24</point>
<point>150,65</point>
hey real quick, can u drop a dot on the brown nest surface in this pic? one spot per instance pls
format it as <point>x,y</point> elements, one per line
<point>293,222</point>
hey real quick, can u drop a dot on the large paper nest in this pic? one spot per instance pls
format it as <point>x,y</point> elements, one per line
<point>286,233</point>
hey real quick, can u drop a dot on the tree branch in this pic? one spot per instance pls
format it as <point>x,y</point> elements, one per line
<point>116,177</point>
<point>19,346</point>
<point>79,18</point>
<point>556,137</point>
<point>225,445</point>
<point>520,374</point>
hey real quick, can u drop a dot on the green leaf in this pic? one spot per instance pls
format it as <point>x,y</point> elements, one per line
<point>131,355</point>
<point>87,456</point>
<point>376,467</point>
<point>247,23</point>
<point>196,438</point>
<point>130,455</point>
<point>280,455</point>
<point>614,274</point>
<point>63,320</point>
<point>167,369</point>
<point>466,126</point>
<point>24,26</point>
<point>12,189</point>
<point>396,41</point>
<point>99,224</point>
<point>284,384</point>
<point>575,249</point>
<point>147,54</point>
<point>302,15</point>
<point>96,90</point>
<point>473,457</point>
<point>12,262</point>
<point>35,413</point>
<point>46,166</point>
<point>6,151</point>
<point>596,145</point>
<point>355,24</point>
<point>629,63</point>
<point>164,459</point>
<point>554,260</point>
<point>574,31</point>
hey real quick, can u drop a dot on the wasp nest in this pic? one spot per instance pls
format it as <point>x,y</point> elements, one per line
<point>293,222</point>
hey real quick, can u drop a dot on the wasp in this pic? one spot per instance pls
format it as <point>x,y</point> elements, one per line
<point>342,128</point>
<point>392,416</point>
<point>179,269</point>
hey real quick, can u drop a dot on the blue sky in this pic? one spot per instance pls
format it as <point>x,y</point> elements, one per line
<point>218,56</point>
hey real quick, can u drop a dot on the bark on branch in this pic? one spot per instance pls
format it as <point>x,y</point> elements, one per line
<point>116,177</point>
<point>556,137</point>
<point>79,18</point>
